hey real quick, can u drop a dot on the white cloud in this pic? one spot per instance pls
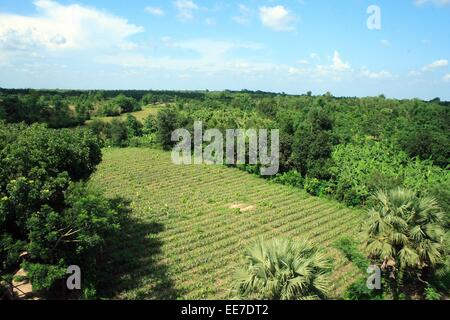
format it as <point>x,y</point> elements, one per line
<point>414,73</point>
<point>375,75</point>
<point>385,43</point>
<point>440,3</point>
<point>447,77</point>
<point>210,50</point>
<point>277,18</point>
<point>156,11</point>
<point>335,70</point>
<point>210,21</point>
<point>302,61</point>
<point>338,64</point>
<point>186,9</point>
<point>63,27</point>
<point>435,65</point>
<point>244,15</point>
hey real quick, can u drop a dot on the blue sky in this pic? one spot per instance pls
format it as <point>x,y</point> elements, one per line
<point>292,46</point>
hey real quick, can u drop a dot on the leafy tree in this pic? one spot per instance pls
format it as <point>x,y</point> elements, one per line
<point>109,109</point>
<point>45,209</point>
<point>148,99</point>
<point>134,126</point>
<point>312,146</point>
<point>117,133</point>
<point>126,104</point>
<point>2,113</point>
<point>149,125</point>
<point>167,121</point>
<point>427,144</point>
<point>406,232</point>
<point>283,270</point>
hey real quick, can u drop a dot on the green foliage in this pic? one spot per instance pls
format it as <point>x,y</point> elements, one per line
<point>428,144</point>
<point>312,146</point>
<point>36,107</point>
<point>2,113</point>
<point>109,109</point>
<point>359,291</point>
<point>432,294</point>
<point>126,104</point>
<point>148,99</point>
<point>284,270</point>
<point>134,127</point>
<point>316,187</point>
<point>407,230</point>
<point>45,209</point>
<point>361,169</point>
<point>291,178</point>
<point>149,126</point>
<point>167,121</point>
<point>44,276</point>
<point>350,250</point>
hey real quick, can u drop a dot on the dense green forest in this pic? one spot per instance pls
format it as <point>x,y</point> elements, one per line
<point>381,155</point>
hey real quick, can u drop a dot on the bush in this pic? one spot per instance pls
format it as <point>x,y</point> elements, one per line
<point>359,291</point>
<point>146,141</point>
<point>432,294</point>
<point>109,109</point>
<point>350,250</point>
<point>291,178</point>
<point>284,270</point>
<point>316,187</point>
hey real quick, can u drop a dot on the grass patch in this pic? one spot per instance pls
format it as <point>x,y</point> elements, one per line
<point>140,115</point>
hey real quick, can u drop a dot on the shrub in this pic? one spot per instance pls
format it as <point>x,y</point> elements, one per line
<point>283,270</point>
<point>291,178</point>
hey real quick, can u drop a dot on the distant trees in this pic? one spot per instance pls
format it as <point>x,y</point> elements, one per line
<point>32,108</point>
<point>117,106</point>
<point>117,132</point>
<point>126,104</point>
<point>283,270</point>
<point>148,99</point>
<point>406,233</point>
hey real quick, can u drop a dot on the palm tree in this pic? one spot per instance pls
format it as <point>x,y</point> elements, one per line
<point>407,232</point>
<point>283,270</point>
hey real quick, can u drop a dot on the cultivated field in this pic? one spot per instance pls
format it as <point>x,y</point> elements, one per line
<point>192,223</point>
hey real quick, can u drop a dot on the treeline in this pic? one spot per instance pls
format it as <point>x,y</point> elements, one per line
<point>346,148</point>
<point>343,148</point>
